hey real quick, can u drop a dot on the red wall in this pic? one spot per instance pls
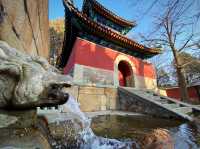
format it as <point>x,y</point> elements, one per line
<point>175,93</point>
<point>70,63</point>
<point>90,54</point>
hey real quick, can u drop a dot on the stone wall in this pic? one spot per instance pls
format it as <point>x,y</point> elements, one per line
<point>94,98</point>
<point>128,101</point>
<point>92,76</point>
<point>24,25</point>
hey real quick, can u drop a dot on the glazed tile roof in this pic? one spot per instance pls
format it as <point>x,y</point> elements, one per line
<point>107,33</point>
<point>107,13</point>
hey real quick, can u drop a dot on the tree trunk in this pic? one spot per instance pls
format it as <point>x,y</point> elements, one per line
<point>182,84</point>
<point>197,88</point>
<point>180,75</point>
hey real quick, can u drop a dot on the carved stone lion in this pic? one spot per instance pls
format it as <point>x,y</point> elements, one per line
<point>28,82</point>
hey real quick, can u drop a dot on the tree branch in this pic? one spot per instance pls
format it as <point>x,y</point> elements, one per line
<point>185,44</point>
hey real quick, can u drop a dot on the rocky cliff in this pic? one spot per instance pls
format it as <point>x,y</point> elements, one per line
<point>24,25</point>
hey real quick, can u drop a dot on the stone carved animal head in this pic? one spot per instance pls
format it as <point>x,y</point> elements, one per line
<point>29,82</point>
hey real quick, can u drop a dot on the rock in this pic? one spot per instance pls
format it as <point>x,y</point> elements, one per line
<point>26,138</point>
<point>7,120</point>
<point>24,25</point>
<point>27,82</point>
<point>19,130</point>
<point>66,132</point>
<point>157,139</point>
<point>17,119</point>
<point>61,134</point>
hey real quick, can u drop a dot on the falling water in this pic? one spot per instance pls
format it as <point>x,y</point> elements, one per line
<point>88,139</point>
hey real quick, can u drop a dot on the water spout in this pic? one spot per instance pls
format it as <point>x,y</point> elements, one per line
<point>72,107</point>
<point>87,139</point>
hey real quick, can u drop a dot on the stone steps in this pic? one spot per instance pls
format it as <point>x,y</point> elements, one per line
<point>184,110</point>
<point>172,105</point>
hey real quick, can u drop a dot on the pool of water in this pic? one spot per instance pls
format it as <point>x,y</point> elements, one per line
<point>185,135</point>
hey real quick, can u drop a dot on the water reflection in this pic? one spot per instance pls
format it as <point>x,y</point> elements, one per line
<point>185,135</point>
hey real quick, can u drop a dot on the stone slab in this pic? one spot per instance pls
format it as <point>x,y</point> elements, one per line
<point>90,102</point>
<point>91,90</point>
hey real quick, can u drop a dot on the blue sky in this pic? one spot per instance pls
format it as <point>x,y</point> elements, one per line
<point>130,10</point>
<point>56,8</point>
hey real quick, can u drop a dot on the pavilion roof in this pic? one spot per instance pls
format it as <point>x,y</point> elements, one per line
<point>108,33</point>
<point>106,13</point>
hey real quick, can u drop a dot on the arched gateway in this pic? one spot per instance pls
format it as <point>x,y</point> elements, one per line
<point>124,72</point>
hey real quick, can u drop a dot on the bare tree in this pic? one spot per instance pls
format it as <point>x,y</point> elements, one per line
<point>163,78</point>
<point>56,33</point>
<point>192,69</point>
<point>176,31</point>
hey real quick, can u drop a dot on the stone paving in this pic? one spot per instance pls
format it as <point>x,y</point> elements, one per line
<point>108,112</point>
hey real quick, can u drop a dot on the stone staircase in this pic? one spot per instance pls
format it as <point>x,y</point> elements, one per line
<point>149,102</point>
